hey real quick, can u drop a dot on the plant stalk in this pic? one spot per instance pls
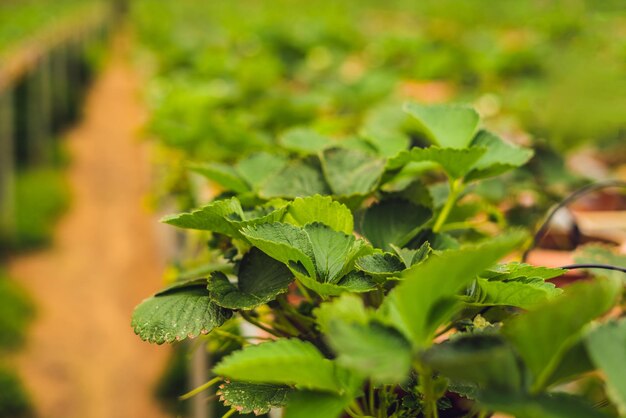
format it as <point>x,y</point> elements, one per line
<point>456,187</point>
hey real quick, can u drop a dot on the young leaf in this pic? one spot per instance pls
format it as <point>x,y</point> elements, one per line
<point>257,398</point>
<point>455,162</point>
<point>261,279</point>
<point>217,217</point>
<point>284,242</point>
<point>542,336</point>
<point>299,178</point>
<point>557,405</point>
<point>410,257</point>
<point>324,209</point>
<point>331,251</point>
<point>393,222</point>
<point>484,360</point>
<point>304,141</point>
<point>286,362</point>
<point>380,265</point>
<point>257,168</point>
<point>445,125</point>
<point>425,299</point>
<point>222,174</point>
<point>499,158</point>
<point>176,314</point>
<point>351,172</point>
<point>607,348</point>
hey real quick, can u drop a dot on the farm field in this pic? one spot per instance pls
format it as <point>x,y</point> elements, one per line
<point>328,209</point>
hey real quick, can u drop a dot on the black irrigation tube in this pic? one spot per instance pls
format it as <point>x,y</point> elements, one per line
<point>545,226</point>
<point>594,266</point>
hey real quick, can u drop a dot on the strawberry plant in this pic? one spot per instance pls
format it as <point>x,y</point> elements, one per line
<point>371,274</point>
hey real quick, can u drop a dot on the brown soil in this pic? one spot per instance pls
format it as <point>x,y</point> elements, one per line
<point>82,359</point>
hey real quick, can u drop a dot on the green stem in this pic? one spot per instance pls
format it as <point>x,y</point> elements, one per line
<point>428,390</point>
<point>456,187</point>
<point>357,408</point>
<point>282,301</point>
<point>371,399</point>
<point>256,323</point>
<point>199,389</point>
<point>232,336</point>
<point>353,414</point>
<point>304,291</point>
<point>229,413</point>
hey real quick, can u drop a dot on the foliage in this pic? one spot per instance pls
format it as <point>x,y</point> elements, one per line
<point>16,311</point>
<point>13,400</point>
<point>380,294</point>
<point>41,196</point>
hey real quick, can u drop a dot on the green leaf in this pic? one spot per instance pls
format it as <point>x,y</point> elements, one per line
<point>521,294</point>
<point>445,125</point>
<point>426,297</point>
<point>331,249</point>
<point>324,209</point>
<point>393,222</point>
<point>222,174</point>
<point>261,279</point>
<point>176,314</point>
<point>542,336</point>
<point>299,178</point>
<point>307,404</point>
<point>573,363</point>
<point>304,141</point>
<point>286,361</point>
<point>557,405</point>
<point>214,217</point>
<point>284,242</point>
<point>257,398</point>
<point>355,281</point>
<point>484,360</point>
<point>368,348</point>
<point>515,270</point>
<point>607,348</point>
<point>257,168</point>
<point>348,307</point>
<point>500,157</point>
<point>410,256</point>
<point>380,265</point>
<point>455,162</point>
<point>383,129</point>
<point>351,172</point>
<point>602,254</point>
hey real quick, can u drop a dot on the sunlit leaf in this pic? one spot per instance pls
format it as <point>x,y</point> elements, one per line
<point>445,125</point>
<point>322,209</point>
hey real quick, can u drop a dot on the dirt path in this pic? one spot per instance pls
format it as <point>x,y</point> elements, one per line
<point>82,359</point>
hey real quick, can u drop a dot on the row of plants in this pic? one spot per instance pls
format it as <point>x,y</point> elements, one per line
<point>297,119</point>
<point>24,19</point>
<point>336,68</point>
<point>40,97</point>
<point>16,312</point>
<point>369,268</point>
